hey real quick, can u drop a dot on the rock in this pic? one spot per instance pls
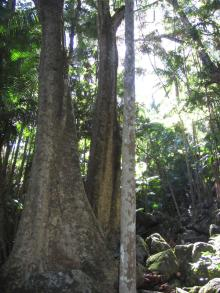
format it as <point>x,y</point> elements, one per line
<point>202,227</point>
<point>156,243</point>
<point>191,236</point>
<point>214,230</point>
<point>184,257</point>
<point>183,254</point>
<point>147,291</point>
<point>196,268</point>
<point>212,286</point>
<point>180,290</point>
<point>199,248</point>
<point>74,281</point>
<point>193,273</point>
<point>215,241</point>
<point>217,219</point>
<point>145,221</point>
<point>164,262</point>
<point>204,268</point>
<point>142,251</point>
<point>194,289</point>
<point>140,271</point>
<point>174,283</point>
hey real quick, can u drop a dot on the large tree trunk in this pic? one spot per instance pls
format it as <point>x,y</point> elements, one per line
<point>58,231</point>
<point>103,180</point>
<point>128,199</point>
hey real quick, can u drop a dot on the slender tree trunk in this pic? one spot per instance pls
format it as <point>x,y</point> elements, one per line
<point>128,202</point>
<point>188,168</point>
<point>174,199</point>
<point>103,180</point>
<point>27,169</point>
<point>58,232</point>
<point>3,237</point>
<point>21,169</point>
<point>14,161</point>
<point>4,223</point>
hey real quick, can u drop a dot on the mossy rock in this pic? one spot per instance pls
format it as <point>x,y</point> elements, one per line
<point>194,289</point>
<point>140,271</point>
<point>174,283</point>
<point>164,262</point>
<point>212,286</point>
<point>206,264</point>
<point>142,251</point>
<point>184,257</point>
<point>199,248</point>
<point>156,243</point>
<point>214,230</point>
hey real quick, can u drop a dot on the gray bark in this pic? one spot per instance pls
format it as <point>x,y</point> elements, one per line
<point>128,199</point>
<point>58,231</point>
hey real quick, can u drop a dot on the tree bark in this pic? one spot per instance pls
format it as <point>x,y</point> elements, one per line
<point>128,199</point>
<point>103,180</point>
<point>58,231</point>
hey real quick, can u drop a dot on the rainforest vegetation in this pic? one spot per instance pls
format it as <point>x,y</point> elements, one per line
<point>72,186</point>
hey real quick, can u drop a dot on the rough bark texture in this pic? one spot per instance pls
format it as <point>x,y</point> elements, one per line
<point>128,202</point>
<point>103,180</point>
<point>58,231</point>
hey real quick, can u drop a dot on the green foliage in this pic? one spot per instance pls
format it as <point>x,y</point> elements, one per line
<point>160,149</point>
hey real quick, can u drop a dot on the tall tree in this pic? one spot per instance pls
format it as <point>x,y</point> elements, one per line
<point>14,107</point>
<point>103,180</point>
<point>58,231</point>
<point>128,202</point>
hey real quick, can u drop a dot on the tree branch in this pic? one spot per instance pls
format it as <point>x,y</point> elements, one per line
<point>118,17</point>
<point>193,33</point>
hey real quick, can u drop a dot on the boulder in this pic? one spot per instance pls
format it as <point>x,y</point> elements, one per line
<point>194,289</point>
<point>156,243</point>
<point>203,268</point>
<point>142,251</point>
<point>140,271</point>
<point>191,236</point>
<point>180,290</point>
<point>217,218</point>
<point>199,248</point>
<point>183,254</point>
<point>212,286</point>
<point>214,230</point>
<point>164,263</point>
<point>215,241</point>
<point>184,257</point>
<point>174,283</point>
<point>193,267</point>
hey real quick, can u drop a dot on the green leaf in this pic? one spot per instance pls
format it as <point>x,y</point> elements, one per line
<point>16,55</point>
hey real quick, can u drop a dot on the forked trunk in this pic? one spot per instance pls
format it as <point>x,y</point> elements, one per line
<point>58,232</point>
<point>103,180</point>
